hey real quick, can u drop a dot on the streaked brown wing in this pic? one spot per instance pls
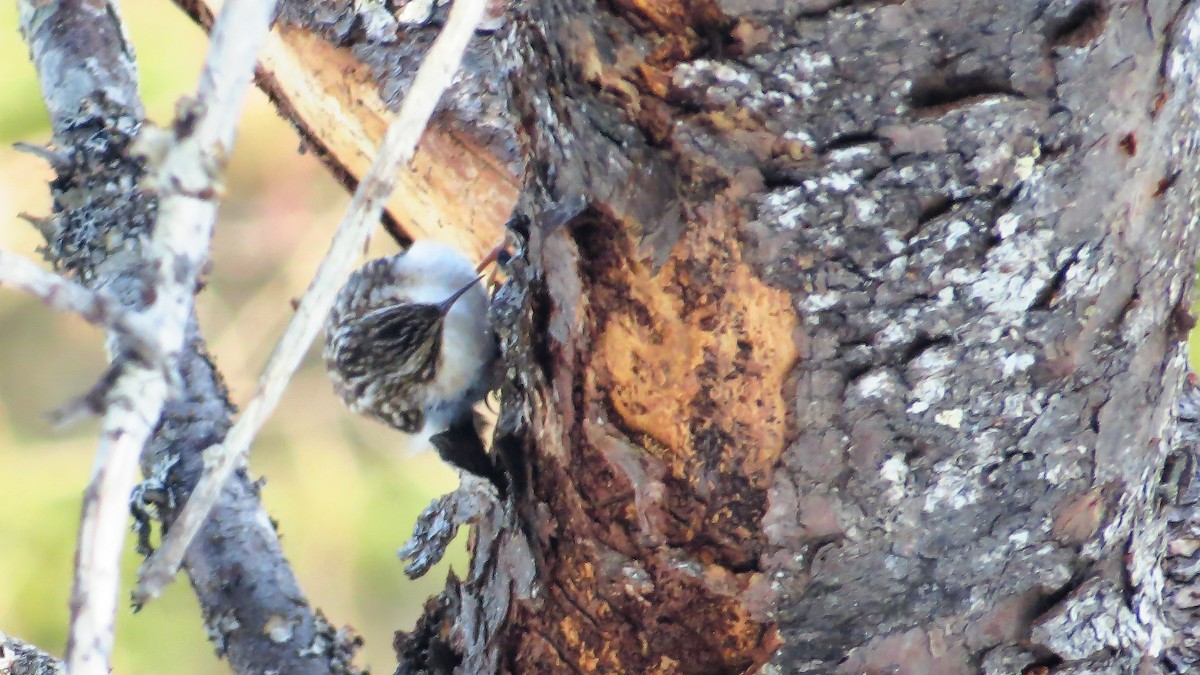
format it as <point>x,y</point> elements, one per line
<point>398,341</point>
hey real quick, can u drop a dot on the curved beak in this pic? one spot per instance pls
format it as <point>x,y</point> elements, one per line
<point>446,304</point>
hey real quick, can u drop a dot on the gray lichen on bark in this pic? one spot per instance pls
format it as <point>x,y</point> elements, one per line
<point>95,112</point>
<point>984,216</point>
<point>20,658</point>
<point>102,217</point>
<point>975,242</point>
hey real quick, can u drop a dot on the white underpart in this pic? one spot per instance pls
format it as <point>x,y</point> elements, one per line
<point>467,343</point>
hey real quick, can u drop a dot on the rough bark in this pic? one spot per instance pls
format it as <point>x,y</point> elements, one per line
<point>862,358</point>
<point>1181,490</point>
<point>255,613</point>
<point>860,355</point>
<point>20,658</point>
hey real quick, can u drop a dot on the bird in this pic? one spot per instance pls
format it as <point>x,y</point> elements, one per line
<point>408,342</point>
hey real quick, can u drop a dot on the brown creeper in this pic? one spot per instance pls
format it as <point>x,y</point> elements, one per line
<point>408,342</point>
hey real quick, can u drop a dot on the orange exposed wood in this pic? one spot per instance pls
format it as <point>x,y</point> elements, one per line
<point>680,390</point>
<point>660,368</point>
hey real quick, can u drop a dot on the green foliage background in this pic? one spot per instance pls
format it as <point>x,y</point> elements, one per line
<point>343,490</point>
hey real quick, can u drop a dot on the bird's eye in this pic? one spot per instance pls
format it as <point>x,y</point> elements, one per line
<point>394,331</point>
<point>407,328</point>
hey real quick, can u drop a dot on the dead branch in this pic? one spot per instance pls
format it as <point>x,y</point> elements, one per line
<point>365,208</point>
<point>101,222</point>
<point>190,161</point>
<point>95,307</point>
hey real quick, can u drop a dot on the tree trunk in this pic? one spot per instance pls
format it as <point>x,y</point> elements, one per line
<point>862,354</point>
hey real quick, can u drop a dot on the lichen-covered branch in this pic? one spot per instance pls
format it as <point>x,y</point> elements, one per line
<point>18,657</point>
<point>99,232</point>
<point>188,163</point>
<point>133,404</point>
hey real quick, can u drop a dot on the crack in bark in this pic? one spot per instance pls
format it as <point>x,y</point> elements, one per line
<point>1080,27</point>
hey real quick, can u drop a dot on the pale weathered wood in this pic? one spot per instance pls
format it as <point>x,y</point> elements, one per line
<point>456,189</point>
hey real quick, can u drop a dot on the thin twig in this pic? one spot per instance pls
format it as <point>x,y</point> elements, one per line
<point>133,407</point>
<point>55,158</point>
<point>189,165</point>
<point>432,79</point>
<point>44,226</point>
<point>94,306</point>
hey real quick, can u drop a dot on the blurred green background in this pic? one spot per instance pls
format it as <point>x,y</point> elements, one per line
<point>344,491</point>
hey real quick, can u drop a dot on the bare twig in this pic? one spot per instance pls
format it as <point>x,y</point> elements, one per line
<point>133,407</point>
<point>93,306</point>
<point>54,158</point>
<point>44,226</point>
<point>190,162</point>
<point>435,75</point>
